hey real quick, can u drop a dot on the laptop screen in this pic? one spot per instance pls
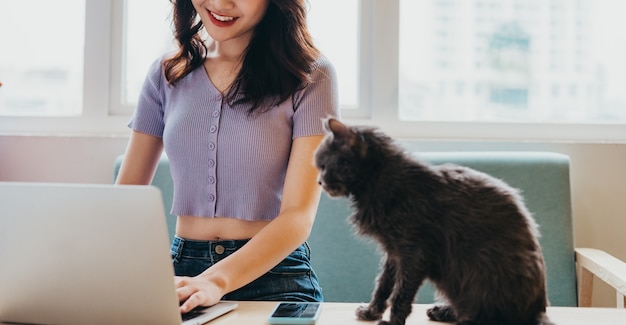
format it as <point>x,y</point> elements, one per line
<point>84,254</point>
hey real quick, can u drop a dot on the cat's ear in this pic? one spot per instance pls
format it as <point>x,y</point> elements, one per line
<point>340,131</point>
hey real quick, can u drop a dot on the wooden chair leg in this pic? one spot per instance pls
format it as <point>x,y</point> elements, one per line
<point>585,290</point>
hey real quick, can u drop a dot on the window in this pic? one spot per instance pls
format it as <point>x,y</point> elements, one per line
<point>481,69</point>
<point>514,60</point>
<point>41,61</point>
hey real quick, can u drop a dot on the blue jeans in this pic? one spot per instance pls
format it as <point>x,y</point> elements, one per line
<point>292,279</point>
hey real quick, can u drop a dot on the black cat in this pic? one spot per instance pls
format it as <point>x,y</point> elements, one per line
<point>470,234</point>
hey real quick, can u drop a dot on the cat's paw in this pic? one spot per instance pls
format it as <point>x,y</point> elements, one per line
<point>365,313</point>
<point>441,314</point>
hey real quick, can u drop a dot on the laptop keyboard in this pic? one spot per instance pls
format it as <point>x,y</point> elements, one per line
<point>193,313</point>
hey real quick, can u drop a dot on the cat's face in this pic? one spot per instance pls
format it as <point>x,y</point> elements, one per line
<point>335,159</point>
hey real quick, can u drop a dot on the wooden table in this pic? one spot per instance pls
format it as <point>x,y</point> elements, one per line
<point>256,313</point>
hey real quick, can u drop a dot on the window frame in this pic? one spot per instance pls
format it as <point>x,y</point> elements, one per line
<point>104,114</point>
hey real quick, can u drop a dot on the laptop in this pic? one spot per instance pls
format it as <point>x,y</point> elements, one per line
<point>87,254</point>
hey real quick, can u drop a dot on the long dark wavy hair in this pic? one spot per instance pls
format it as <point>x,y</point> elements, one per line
<point>276,64</point>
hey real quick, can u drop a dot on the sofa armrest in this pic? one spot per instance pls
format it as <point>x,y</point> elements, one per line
<point>605,267</point>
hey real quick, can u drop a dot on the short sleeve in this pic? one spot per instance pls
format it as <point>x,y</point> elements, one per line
<point>149,117</point>
<point>317,101</point>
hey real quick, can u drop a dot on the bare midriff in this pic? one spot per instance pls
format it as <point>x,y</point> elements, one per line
<point>198,228</point>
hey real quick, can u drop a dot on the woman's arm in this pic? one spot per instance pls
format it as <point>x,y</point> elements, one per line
<point>278,239</point>
<point>140,160</point>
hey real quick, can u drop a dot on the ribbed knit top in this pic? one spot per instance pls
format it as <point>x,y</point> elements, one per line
<point>223,161</point>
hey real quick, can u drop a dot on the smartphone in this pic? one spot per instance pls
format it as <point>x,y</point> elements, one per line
<point>295,313</point>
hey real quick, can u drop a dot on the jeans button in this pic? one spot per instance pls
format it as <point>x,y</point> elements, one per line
<point>219,249</point>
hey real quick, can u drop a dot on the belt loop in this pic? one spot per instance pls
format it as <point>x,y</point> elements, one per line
<point>177,248</point>
<point>307,249</point>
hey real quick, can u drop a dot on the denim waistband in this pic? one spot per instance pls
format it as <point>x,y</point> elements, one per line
<point>207,244</point>
<point>203,247</point>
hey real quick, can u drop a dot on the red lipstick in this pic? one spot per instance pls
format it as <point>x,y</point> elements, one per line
<point>221,23</point>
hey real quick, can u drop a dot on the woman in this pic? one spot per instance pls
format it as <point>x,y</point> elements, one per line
<point>239,116</point>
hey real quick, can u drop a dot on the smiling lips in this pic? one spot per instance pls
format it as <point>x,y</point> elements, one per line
<point>221,21</point>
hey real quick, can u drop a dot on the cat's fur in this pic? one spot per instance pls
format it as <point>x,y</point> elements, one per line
<point>467,232</point>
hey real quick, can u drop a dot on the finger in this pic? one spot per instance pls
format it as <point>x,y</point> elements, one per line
<point>192,302</point>
<point>185,292</point>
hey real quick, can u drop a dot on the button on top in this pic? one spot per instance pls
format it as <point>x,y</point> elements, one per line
<point>219,249</point>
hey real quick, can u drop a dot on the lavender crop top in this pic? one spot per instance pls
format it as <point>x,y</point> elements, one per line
<point>224,162</point>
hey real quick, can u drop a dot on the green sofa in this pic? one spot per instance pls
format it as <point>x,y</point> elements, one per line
<point>342,260</point>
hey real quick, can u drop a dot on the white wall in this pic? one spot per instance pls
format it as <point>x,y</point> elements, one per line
<point>598,178</point>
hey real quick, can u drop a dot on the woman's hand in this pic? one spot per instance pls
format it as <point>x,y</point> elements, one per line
<point>197,291</point>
